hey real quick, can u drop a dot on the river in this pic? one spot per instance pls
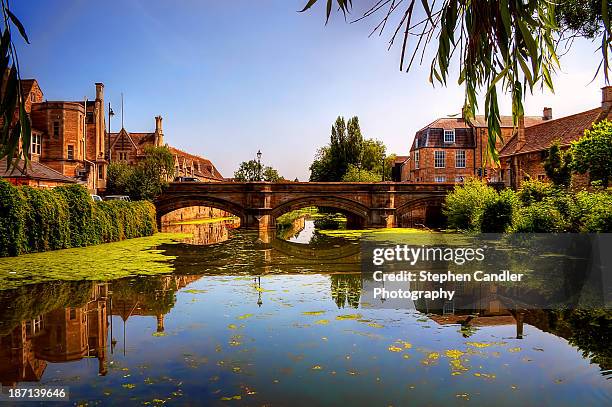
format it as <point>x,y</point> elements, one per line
<point>244,319</point>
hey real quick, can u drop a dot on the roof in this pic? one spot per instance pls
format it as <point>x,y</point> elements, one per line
<point>564,130</point>
<point>207,168</point>
<point>450,123</point>
<point>400,159</point>
<point>34,170</point>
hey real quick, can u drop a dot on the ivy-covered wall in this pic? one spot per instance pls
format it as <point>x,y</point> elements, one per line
<point>36,220</point>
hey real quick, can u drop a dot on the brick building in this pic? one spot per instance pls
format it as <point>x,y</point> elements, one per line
<point>525,152</point>
<point>67,142</point>
<point>70,144</point>
<point>130,148</point>
<point>451,149</point>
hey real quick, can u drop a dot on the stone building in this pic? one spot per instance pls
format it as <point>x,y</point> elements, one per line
<point>130,148</point>
<point>524,154</point>
<point>451,149</point>
<point>69,136</point>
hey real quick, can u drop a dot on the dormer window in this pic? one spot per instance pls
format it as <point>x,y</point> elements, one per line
<point>449,136</point>
<point>416,142</point>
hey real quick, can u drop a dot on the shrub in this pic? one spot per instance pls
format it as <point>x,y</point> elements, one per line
<point>498,213</point>
<point>540,217</point>
<point>80,210</point>
<point>12,210</point>
<point>595,211</point>
<point>535,191</point>
<point>464,206</point>
<point>34,220</point>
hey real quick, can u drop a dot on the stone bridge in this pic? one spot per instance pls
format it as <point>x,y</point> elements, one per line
<point>258,204</point>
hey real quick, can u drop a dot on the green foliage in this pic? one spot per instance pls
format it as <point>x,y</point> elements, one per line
<point>349,157</point>
<point>144,181</point>
<point>539,217</point>
<point>595,211</point>
<point>355,174</point>
<point>34,220</point>
<point>12,212</point>
<point>496,45</point>
<point>465,205</point>
<point>16,128</point>
<point>591,153</point>
<point>558,166</point>
<point>535,191</point>
<point>118,178</point>
<point>498,213</point>
<point>250,171</point>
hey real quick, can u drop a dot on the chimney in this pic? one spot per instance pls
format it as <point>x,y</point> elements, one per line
<point>159,134</point>
<point>606,97</point>
<point>99,91</point>
<point>547,115</point>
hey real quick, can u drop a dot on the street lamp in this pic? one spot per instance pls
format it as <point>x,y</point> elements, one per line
<point>383,167</point>
<point>258,165</point>
<point>111,113</point>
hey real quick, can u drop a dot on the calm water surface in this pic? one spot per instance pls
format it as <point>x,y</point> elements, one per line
<point>253,320</point>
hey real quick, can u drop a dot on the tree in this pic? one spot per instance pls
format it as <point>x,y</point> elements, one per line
<point>350,157</point>
<point>591,153</point>
<point>558,166</point>
<point>355,174</point>
<point>117,178</point>
<point>507,45</point>
<point>15,126</point>
<point>248,171</point>
<point>144,181</point>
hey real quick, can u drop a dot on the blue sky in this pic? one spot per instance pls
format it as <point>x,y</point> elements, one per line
<point>232,77</point>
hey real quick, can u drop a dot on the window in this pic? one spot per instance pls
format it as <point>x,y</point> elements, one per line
<point>449,136</point>
<point>100,172</point>
<point>72,314</point>
<point>70,152</point>
<point>56,129</point>
<point>440,178</point>
<point>35,145</point>
<point>416,159</point>
<point>459,178</point>
<point>123,156</point>
<point>90,117</point>
<point>32,98</point>
<point>460,159</point>
<point>439,159</point>
<point>416,142</point>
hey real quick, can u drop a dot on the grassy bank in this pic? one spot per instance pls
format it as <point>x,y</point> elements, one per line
<point>38,220</point>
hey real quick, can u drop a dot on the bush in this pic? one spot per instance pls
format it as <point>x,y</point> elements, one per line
<point>535,191</point>
<point>540,217</point>
<point>464,206</point>
<point>498,213</point>
<point>35,220</point>
<point>595,211</point>
<point>12,211</point>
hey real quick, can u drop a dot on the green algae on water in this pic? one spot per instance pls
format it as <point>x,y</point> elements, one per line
<point>103,262</point>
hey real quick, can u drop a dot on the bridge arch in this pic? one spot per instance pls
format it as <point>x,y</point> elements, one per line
<point>351,208</point>
<point>171,203</point>
<point>425,211</point>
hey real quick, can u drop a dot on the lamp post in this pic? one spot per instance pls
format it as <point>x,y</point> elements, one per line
<point>383,167</point>
<point>111,113</point>
<point>258,165</point>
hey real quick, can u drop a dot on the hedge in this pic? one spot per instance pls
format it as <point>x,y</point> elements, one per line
<point>36,220</point>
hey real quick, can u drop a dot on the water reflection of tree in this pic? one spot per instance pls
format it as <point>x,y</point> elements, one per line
<point>588,330</point>
<point>30,301</point>
<point>346,289</point>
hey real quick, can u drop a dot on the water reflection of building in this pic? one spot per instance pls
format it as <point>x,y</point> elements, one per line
<point>203,233</point>
<point>148,297</point>
<point>61,335</point>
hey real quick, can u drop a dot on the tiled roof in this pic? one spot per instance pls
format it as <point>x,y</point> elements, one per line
<point>401,159</point>
<point>564,130</point>
<point>207,169</point>
<point>450,123</point>
<point>35,170</point>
